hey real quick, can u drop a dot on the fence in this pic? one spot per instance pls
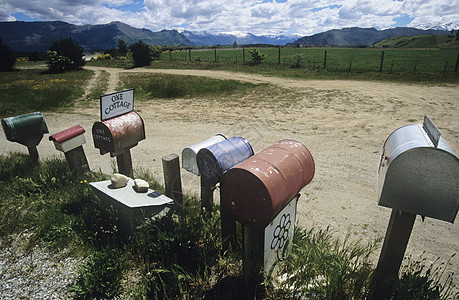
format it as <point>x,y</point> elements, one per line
<point>332,59</point>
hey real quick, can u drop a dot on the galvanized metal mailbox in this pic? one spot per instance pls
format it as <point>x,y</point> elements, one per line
<point>26,129</point>
<point>258,188</point>
<point>419,173</point>
<point>189,154</point>
<point>216,159</point>
<point>118,134</point>
<point>70,141</point>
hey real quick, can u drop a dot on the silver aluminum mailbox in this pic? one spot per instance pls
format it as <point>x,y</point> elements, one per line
<point>419,173</point>
<point>189,154</point>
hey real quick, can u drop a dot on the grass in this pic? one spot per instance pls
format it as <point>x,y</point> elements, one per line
<point>179,255</point>
<point>178,86</point>
<point>25,91</point>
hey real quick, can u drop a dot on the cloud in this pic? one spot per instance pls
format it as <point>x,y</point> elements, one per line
<point>304,17</point>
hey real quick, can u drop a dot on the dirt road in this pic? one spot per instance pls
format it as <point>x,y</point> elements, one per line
<point>343,123</point>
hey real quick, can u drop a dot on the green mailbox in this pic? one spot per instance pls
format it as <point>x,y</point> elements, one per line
<point>26,130</point>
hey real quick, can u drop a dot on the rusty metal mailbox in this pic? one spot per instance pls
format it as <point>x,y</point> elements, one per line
<point>26,129</point>
<point>419,172</point>
<point>258,188</point>
<point>214,160</point>
<point>118,134</point>
<point>262,193</point>
<point>189,154</point>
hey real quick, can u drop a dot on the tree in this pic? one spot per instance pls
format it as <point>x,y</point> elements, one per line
<point>7,58</point>
<point>65,55</point>
<point>122,47</point>
<point>141,53</point>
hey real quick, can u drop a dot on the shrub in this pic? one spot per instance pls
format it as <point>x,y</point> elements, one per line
<point>257,56</point>
<point>141,53</point>
<point>65,55</point>
<point>7,58</point>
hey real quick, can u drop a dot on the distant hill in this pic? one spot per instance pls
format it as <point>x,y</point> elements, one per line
<point>205,39</point>
<point>38,36</point>
<point>449,41</point>
<point>356,36</point>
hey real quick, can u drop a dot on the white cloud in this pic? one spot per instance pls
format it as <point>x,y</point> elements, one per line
<point>304,17</point>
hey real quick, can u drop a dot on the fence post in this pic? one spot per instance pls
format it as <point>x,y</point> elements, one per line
<point>278,57</point>
<point>172,179</point>
<point>382,61</point>
<point>189,54</point>
<point>215,55</point>
<point>243,54</point>
<point>446,65</point>
<point>325,59</point>
<point>457,63</point>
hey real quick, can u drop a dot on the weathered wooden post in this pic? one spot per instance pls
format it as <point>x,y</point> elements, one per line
<point>325,59</point>
<point>213,161</point>
<point>382,61</point>
<point>120,129</point>
<point>418,175</point>
<point>26,130</point>
<point>279,56</point>
<point>70,141</point>
<point>262,193</point>
<point>172,179</point>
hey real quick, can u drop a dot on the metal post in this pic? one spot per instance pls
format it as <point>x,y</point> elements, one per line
<point>77,160</point>
<point>397,236</point>
<point>172,179</point>
<point>124,161</point>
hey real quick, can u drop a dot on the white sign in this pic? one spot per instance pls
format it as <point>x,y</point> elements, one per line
<point>116,104</point>
<point>279,237</point>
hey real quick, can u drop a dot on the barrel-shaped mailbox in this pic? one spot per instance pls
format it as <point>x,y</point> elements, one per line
<point>26,129</point>
<point>214,160</point>
<point>118,134</point>
<point>419,173</point>
<point>189,154</point>
<point>258,188</point>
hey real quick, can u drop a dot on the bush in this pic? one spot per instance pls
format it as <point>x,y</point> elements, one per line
<point>65,55</point>
<point>257,56</point>
<point>7,58</point>
<point>141,53</point>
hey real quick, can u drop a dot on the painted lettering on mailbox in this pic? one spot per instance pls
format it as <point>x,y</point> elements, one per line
<point>116,104</point>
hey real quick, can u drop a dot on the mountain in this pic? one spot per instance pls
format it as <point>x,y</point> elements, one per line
<point>356,36</point>
<point>38,36</point>
<point>204,38</point>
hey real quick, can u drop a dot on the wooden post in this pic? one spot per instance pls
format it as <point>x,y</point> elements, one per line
<point>172,179</point>
<point>124,161</point>
<point>382,61</point>
<point>215,55</point>
<point>33,152</point>
<point>279,57</point>
<point>207,195</point>
<point>189,54</point>
<point>243,54</point>
<point>397,236</point>
<point>77,161</point>
<point>253,260</point>
<point>325,59</point>
<point>228,225</point>
<point>457,63</point>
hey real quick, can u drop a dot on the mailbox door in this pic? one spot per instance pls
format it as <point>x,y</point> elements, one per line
<point>102,136</point>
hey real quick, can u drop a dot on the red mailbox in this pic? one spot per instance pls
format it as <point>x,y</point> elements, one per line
<point>118,134</point>
<point>258,188</point>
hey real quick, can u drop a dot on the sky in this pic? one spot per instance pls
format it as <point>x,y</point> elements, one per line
<point>260,17</point>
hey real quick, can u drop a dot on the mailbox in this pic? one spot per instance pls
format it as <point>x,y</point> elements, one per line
<point>216,159</point>
<point>26,129</point>
<point>69,138</point>
<point>189,154</point>
<point>418,173</point>
<point>258,188</point>
<point>118,134</point>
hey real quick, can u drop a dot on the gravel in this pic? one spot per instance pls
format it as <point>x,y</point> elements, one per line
<point>34,273</point>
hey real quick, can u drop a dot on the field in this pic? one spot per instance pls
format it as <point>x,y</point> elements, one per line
<point>344,124</point>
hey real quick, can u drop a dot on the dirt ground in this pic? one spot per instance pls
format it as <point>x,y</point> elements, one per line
<point>343,123</point>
